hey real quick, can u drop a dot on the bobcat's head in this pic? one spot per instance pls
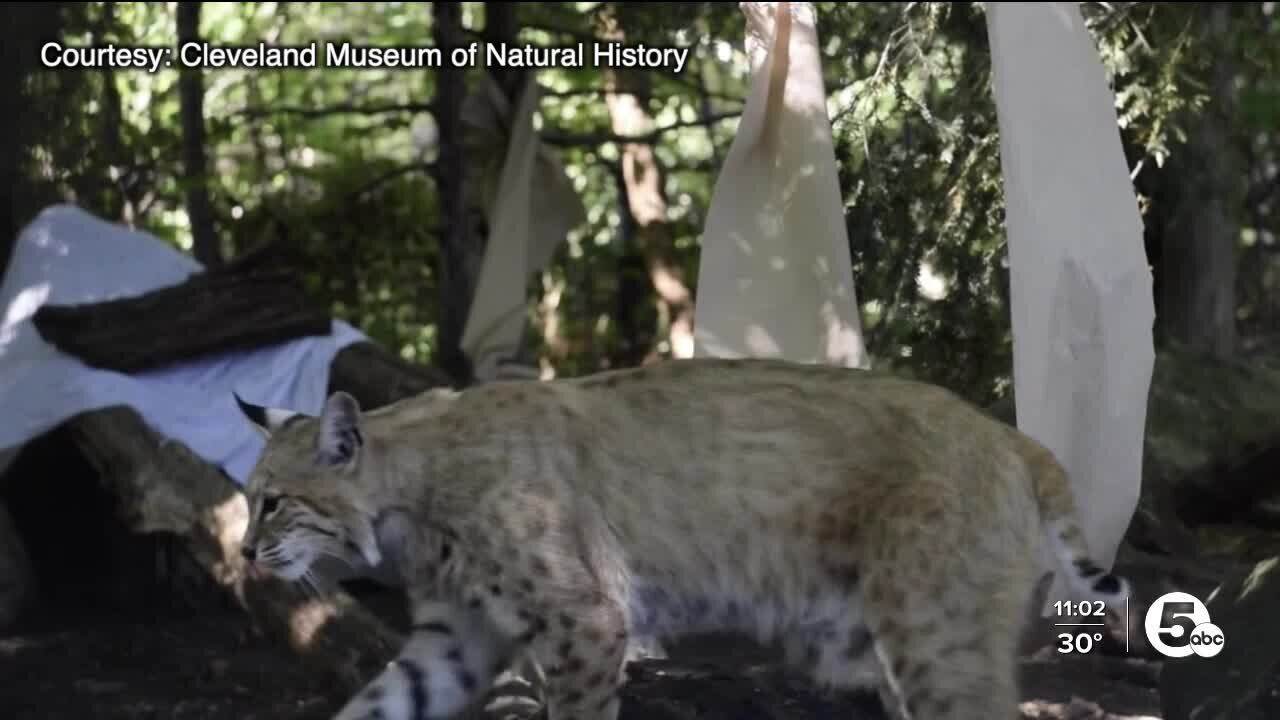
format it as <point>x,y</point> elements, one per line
<point>306,499</point>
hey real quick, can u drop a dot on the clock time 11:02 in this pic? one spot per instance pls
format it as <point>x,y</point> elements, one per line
<point>1096,608</point>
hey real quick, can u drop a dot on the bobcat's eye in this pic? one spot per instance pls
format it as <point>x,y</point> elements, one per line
<point>270,504</point>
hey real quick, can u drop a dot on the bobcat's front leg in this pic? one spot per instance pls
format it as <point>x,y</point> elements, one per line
<point>449,660</point>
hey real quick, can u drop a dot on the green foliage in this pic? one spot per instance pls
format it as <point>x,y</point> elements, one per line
<point>328,157</point>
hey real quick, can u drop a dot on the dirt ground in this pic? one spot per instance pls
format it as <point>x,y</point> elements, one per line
<point>209,665</point>
<point>212,667</point>
<point>170,668</point>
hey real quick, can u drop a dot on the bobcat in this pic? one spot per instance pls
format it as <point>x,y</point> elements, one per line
<point>886,533</point>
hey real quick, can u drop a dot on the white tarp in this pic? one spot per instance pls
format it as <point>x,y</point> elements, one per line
<point>1081,285</point>
<point>775,278</point>
<point>67,256</point>
<point>531,206</point>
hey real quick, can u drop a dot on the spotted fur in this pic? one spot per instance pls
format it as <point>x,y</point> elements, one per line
<point>887,533</point>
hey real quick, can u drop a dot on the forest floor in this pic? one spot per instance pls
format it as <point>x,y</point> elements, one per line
<point>212,666</point>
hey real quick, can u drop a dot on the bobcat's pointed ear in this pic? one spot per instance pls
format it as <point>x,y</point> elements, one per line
<point>340,436</point>
<point>267,420</point>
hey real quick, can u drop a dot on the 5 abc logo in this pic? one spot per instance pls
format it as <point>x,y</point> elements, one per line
<point>1188,630</point>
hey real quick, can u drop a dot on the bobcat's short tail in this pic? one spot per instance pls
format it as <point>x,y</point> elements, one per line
<point>1062,532</point>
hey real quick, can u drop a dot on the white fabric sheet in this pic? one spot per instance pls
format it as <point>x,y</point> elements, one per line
<point>775,278</point>
<point>67,256</point>
<point>531,207</point>
<point>1081,284</point>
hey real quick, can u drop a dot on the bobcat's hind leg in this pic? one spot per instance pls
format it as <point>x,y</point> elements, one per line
<point>449,661</point>
<point>948,651</point>
<point>584,655</point>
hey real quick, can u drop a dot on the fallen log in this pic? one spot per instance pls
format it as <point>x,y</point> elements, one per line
<point>210,313</point>
<point>375,377</point>
<point>241,306</point>
<point>160,486</point>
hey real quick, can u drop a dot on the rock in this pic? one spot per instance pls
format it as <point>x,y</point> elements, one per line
<point>17,582</point>
<point>1092,685</point>
<point>1237,683</point>
<point>1210,419</point>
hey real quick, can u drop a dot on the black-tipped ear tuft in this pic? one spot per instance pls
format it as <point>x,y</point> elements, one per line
<point>255,413</point>
<point>267,420</point>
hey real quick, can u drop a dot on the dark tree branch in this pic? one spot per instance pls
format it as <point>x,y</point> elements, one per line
<point>567,139</point>
<point>339,109</point>
<point>254,113</point>
<point>572,33</point>
<point>571,92</point>
<point>387,177</point>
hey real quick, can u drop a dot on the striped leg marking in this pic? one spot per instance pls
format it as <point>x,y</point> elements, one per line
<point>450,658</point>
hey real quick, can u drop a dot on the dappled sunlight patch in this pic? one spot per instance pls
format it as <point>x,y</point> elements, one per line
<point>1077,709</point>
<point>760,342</point>
<point>932,285</point>
<point>227,522</point>
<point>308,619</point>
<point>24,305</point>
<point>1256,577</point>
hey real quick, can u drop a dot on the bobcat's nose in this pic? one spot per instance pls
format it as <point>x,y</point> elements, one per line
<point>250,554</point>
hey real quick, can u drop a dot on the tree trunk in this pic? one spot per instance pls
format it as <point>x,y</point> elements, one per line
<point>12,150</point>
<point>204,238</point>
<point>500,25</point>
<point>1200,202</point>
<point>626,95</point>
<point>109,196</point>
<point>461,247</point>
<point>634,316</point>
<point>23,27</point>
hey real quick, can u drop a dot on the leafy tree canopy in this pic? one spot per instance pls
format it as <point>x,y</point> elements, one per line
<point>332,161</point>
